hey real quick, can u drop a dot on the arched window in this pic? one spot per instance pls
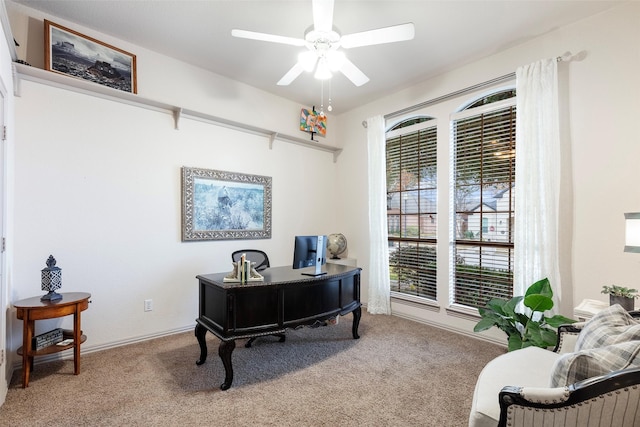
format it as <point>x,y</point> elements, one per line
<point>491,98</point>
<point>410,122</point>
<point>483,189</point>
<point>411,148</point>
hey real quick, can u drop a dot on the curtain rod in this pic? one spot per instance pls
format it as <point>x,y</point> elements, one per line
<point>567,56</point>
<point>509,76</point>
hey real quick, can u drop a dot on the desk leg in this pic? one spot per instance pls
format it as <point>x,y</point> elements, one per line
<point>357,313</point>
<point>224,351</point>
<point>27,357</point>
<point>77,337</point>
<point>200,332</point>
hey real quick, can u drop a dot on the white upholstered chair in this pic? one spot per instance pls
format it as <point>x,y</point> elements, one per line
<point>592,378</point>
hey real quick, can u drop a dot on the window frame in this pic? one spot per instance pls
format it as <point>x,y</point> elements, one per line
<point>430,242</point>
<point>454,241</point>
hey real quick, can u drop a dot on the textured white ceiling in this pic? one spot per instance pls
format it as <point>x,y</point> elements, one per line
<point>448,34</point>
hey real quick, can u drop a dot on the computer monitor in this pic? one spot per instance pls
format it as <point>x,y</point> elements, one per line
<point>310,251</point>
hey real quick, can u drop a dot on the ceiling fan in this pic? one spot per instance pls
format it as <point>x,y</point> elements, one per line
<point>322,41</point>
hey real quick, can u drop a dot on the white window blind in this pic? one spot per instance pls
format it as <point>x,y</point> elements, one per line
<point>412,208</point>
<point>483,177</point>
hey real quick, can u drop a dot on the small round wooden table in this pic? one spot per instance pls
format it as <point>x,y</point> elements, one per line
<point>32,309</point>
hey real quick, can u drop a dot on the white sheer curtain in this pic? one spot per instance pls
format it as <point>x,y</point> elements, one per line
<point>538,177</point>
<point>379,301</point>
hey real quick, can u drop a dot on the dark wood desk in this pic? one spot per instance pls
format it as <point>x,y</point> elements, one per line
<point>32,309</point>
<point>285,299</point>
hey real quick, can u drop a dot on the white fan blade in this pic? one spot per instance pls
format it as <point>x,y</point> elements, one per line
<point>353,73</point>
<point>291,75</point>
<point>395,33</point>
<point>267,37</point>
<point>323,15</point>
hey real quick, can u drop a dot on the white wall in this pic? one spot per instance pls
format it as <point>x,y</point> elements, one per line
<point>97,185</point>
<point>600,99</point>
<point>5,217</point>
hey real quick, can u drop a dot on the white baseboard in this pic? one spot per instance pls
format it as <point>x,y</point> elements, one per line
<point>480,337</point>
<point>86,349</point>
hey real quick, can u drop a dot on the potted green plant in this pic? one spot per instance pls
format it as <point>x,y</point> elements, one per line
<point>621,295</point>
<point>529,327</point>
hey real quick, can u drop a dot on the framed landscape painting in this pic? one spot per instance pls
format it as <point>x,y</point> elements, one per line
<point>220,205</point>
<point>76,55</point>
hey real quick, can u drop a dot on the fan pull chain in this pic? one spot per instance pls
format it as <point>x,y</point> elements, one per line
<point>321,98</point>
<point>329,108</point>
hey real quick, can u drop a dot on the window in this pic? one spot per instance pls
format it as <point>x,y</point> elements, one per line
<point>483,177</point>
<point>411,206</point>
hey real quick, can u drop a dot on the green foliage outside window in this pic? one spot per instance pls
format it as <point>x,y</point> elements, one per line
<point>413,270</point>
<point>476,285</point>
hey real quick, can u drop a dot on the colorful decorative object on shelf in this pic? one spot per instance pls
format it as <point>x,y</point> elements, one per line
<point>313,122</point>
<point>51,280</point>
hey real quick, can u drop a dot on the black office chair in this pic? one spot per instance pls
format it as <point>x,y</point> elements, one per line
<point>260,258</point>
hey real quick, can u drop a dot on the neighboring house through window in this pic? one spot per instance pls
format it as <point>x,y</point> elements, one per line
<point>481,203</point>
<point>483,178</point>
<point>412,206</point>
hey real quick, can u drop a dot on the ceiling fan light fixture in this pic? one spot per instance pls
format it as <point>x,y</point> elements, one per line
<point>323,40</point>
<point>307,60</point>
<point>323,72</point>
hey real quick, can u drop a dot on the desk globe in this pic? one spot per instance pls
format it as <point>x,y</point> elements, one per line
<point>336,244</point>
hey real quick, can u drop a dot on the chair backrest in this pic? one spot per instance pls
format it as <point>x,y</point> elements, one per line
<point>254,255</point>
<point>612,400</point>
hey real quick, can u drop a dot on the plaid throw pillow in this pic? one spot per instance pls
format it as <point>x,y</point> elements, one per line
<point>574,367</point>
<point>609,326</point>
<point>610,341</point>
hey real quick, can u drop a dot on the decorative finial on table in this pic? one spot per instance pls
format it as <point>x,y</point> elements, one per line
<point>51,280</point>
<point>51,261</point>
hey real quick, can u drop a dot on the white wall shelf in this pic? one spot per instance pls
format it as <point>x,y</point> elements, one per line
<point>25,72</point>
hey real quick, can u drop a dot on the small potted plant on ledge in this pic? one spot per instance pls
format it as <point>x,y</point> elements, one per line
<point>621,295</point>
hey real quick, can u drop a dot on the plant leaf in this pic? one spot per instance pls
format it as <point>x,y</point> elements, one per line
<point>514,343</point>
<point>540,336</point>
<point>485,323</point>
<point>538,302</point>
<point>534,335</point>
<point>497,305</point>
<point>510,306</point>
<point>542,287</point>
<point>522,319</point>
<point>548,337</point>
<point>558,320</point>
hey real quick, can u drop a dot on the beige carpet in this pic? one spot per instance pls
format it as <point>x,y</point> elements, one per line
<point>399,373</point>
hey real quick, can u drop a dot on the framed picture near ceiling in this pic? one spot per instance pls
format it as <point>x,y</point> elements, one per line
<point>220,205</point>
<point>77,55</point>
